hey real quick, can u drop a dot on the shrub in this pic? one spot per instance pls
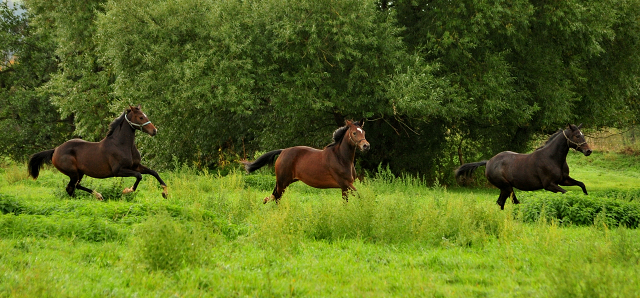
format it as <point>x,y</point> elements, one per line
<point>165,244</point>
<point>578,209</point>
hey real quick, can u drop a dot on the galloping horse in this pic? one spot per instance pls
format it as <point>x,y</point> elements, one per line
<point>545,168</point>
<point>115,156</point>
<point>331,167</point>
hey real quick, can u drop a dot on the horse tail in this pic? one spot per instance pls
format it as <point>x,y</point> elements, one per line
<point>263,160</point>
<point>36,161</point>
<point>468,168</point>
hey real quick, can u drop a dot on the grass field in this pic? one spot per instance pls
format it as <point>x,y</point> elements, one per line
<point>397,237</point>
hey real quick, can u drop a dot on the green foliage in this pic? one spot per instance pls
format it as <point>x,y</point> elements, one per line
<point>527,66</point>
<point>28,121</point>
<point>397,236</point>
<point>260,182</point>
<point>86,228</point>
<point>165,244</point>
<point>440,82</point>
<point>611,208</point>
<point>81,89</point>
<point>273,74</point>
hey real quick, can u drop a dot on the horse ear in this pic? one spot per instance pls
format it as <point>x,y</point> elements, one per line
<point>139,107</point>
<point>130,107</point>
<point>361,123</point>
<point>580,126</point>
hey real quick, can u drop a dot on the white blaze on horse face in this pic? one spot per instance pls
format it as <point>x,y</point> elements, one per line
<point>360,129</point>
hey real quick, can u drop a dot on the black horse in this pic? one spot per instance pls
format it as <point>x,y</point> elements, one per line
<point>545,168</point>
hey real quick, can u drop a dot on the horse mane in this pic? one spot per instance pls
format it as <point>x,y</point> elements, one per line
<point>116,123</point>
<point>338,135</point>
<point>552,137</point>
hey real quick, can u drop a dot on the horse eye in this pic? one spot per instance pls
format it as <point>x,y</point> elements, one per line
<point>140,118</point>
<point>354,133</point>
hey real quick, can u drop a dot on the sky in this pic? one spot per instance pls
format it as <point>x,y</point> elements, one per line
<point>11,2</point>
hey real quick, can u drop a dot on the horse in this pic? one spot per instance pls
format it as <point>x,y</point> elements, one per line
<point>545,168</point>
<point>115,156</point>
<point>331,167</point>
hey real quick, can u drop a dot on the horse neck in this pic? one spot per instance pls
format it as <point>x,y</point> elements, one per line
<point>345,150</point>
<point>557,149</point>
<point>123,136</point>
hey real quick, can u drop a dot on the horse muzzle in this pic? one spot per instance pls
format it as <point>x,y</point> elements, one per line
<point>364,146</point>
<point>150,129</point>
<point>586,151</point>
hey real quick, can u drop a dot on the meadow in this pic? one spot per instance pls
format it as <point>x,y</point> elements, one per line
<point>396,237</point>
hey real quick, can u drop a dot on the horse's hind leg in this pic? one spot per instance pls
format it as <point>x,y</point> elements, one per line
<point>513,197</point>
<point>71,187</point>
<point>275,195</point>
<point>91,191</point>
<point>504,194</point>
<point>278,190</point>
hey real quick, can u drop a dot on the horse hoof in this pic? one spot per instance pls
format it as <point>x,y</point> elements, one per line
<point>127,190</point>
<point>97,195</point>
<point>269,198</point>
<point>164,191</point>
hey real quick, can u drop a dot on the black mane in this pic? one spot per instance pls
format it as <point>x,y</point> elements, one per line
<point>552,137</point>
<point>116,123</point>
<point>338,135</point>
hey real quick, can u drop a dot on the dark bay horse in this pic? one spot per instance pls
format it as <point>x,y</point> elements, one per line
<point>115,156</point>
<point>545,168</point>
<point>331,167</point>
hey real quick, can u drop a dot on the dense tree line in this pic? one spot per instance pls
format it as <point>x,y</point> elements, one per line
<point>438,81</point>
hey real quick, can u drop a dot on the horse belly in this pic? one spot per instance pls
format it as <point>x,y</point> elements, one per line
<point>318,180</point>
<point>512,169</point>
<point>97,167</point>
<point>312,171</point>
<point>524,176</point>
<point>90,161</point>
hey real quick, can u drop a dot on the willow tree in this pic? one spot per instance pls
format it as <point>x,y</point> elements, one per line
<point>260,75</point>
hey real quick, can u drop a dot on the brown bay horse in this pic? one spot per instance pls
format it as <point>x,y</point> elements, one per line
<point>545,168</point>
<point>115,156</point>
<point>331,167</point>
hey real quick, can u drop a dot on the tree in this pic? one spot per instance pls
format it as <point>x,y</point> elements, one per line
<point>255,74</point>
<point>528,67</point>
<point>28,121</point>
<point>82,86</point>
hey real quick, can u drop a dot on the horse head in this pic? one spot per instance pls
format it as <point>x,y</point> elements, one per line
<point>138,120</point>
<point>575,139</point>
<point>356,135</point>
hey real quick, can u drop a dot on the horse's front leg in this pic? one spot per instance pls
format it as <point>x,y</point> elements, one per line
<point>554,188</point>
<point>129,173</point>
<point>568,181</point>
<point>144,170</point>
<point>345,190</point>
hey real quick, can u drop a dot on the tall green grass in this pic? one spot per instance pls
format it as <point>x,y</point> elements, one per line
<point>395,237</point>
